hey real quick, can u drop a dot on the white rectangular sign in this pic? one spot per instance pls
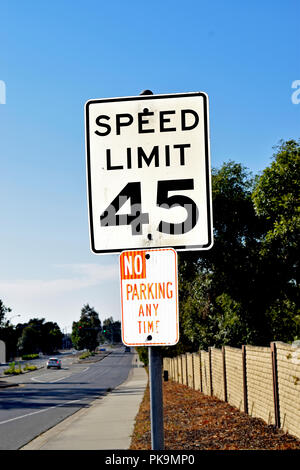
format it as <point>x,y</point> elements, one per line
<point>148,172</point>
<point>149,297</point>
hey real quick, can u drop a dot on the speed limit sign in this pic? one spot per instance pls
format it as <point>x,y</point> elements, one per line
<point>148,172</point>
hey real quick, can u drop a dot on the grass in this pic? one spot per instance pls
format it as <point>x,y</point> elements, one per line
<point>29,367</point>
<point>13,370</point>
<point>30,356</point>
<point>87,354</point>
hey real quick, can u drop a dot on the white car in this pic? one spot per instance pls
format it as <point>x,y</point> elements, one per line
<point>53,362</point>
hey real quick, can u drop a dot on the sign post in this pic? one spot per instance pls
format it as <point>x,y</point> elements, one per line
<point>156,399</point>
<point>156,392</point>
<point>149,297</point>
<point>149,301</point>
<point>149,194</point>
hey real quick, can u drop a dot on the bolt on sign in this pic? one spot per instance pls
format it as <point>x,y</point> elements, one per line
<point>148,172</point>
<point>149,297</point>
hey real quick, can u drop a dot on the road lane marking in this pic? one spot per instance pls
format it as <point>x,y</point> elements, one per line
<point>37,412</point>
<point>37,379</point>
<point>49,381</point>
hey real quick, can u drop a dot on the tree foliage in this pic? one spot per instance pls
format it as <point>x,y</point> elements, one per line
<point>32,337</point>
<point>217,287</point>
<point>111,330</point>
<point>39,336</point>
<point>245,290</point>
<point>277,200</point>
<point>85,332</point>
<point>3,311</point>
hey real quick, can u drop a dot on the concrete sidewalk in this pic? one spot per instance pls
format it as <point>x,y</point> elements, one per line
<point>108,423</point>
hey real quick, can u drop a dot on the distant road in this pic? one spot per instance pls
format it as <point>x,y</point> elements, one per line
<point>47,396</point>
<point>41,361</point>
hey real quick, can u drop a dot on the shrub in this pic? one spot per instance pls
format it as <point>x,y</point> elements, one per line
<point>12,369</point>
<point>30,356</point>
<point>143,354</point>
<point>29,367</point>
<point>85,355</point>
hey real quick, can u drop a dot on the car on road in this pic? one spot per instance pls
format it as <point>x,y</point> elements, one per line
<point>53,362</point>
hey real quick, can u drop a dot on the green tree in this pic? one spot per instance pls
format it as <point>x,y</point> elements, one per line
<point>51,337</point>
<point>245,290</point>
<point>29,341</point>
<point>277,202</point>
<point>277,195</point>
<point>111,331</point>
<point>38,336</point>
<point>3,311</point>
<point>85,332</point>
<point>218,288</point>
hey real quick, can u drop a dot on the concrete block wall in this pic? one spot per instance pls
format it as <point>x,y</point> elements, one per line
<point>170,369</point>
<point>190,370</point>
<point>175,368</point>
<point>270,382</point>
<point>167,366</point>
<point>204,358</point>
<point>234,375</point>
<point>217,373</point>
<point>260,383</point>
<point>288,371</point>
<point>197,371</point>
<point>179,368</point>
<point>184,369</point>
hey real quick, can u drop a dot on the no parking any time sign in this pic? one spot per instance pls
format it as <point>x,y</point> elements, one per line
<point>149,297</point>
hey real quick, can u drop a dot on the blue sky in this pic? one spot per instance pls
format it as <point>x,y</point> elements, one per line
<point>54,56</point>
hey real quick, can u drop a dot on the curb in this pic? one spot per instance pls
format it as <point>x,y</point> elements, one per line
<point>9,384</point>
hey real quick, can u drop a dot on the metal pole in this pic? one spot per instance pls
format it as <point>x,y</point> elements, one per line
<point>275,384</point>
<point>244,364</point>
<point>224,373</point>
<point>156,398</point>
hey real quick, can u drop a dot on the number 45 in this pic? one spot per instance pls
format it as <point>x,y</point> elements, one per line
<point>137,218</point>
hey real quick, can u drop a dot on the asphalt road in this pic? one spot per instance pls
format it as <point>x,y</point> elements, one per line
<point>46,397</point>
